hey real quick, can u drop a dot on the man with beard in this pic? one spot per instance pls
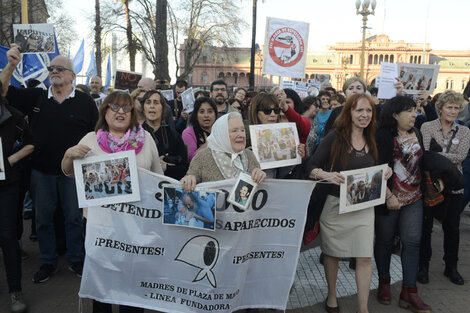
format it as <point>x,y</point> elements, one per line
<point>219,94</point>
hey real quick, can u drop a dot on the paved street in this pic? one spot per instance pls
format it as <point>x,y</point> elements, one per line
<point>59,295</point>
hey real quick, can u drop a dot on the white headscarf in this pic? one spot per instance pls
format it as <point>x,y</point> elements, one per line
<point>221,147</point>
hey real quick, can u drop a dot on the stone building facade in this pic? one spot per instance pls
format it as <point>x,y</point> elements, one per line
<point>340,61</point>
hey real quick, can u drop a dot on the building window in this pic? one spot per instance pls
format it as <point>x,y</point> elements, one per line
<point>314,60</point>
<point>419,60</point>
<point>190,78</point>
<point>386,58</point>
<point>351,59</point>
<point>376,59</point>
<point>235,78</point>
<point>392,58</point>
<point>449,84</point>
<point>204,78</point>
<point>411,59</point>
<point>370,58</point>
<point>328,61</point>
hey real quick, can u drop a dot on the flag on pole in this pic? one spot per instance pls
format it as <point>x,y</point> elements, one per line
<point>91,71</point>
<point>79,58</point>
<point>108,74</point>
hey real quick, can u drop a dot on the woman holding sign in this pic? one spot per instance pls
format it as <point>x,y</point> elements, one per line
<point>225,156</point>
<point>117,130</point>
<point>351,146</point>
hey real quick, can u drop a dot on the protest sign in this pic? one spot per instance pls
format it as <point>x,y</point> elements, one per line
<point>242,192</point>
<point>126,80</point>
<point>106,179</point>
<point>187,97</point>
<point>363,188</point>
<point>168,94</point>
<point>249,261</point>
<point>275,145</point>
<point>285,47</point>
<point>386,81</point>
<point>416,77</point>
<point>33,38</point>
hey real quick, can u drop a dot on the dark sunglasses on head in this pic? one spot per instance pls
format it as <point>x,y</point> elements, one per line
<point>115,107</point>
<point>58,68</point>
<point>268,111</point>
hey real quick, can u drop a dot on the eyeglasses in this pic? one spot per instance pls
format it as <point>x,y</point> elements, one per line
<point>115,107</point>
<point>269,111</point>
<point>58,69</point>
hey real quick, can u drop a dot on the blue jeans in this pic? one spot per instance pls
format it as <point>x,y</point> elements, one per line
<point>409,220</point>
<point>47,192</point>
<point>8,240</point>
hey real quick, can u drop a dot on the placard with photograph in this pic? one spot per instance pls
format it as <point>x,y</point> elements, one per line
<point>34,38</point>
<point>416,77</point>
<point>187,97</point>
<point>168,94</point>
<point>107,179</point>
<point>2,165</point>
<point>363,188</point>
<point>275,145</point>
<point>287,84</point>
<point>243,191</point>
<point>195,209</point>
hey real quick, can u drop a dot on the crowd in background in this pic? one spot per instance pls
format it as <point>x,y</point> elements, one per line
<point>424,142</point>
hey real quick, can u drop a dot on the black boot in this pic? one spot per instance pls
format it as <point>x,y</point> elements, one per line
<point>423,274</point>
<point>453,275</point>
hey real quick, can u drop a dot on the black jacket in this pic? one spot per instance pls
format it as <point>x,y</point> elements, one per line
<point>13,129</point>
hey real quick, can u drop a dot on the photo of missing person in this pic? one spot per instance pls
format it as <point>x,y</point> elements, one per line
<point>243,191</point>
<point>275,145</point>
<point>363,188</point>
<point>34,38</point>
<point>106,179</point>
<point>416,77</point>
<point>195,209</point>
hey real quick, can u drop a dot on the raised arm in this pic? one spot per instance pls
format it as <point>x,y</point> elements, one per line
<point>14,57</point>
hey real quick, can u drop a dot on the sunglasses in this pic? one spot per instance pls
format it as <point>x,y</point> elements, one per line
<point>115,107</point>
<point>269,111</point>
<point>58,69</point>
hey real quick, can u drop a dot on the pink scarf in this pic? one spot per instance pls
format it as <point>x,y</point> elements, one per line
<point>132,140</point>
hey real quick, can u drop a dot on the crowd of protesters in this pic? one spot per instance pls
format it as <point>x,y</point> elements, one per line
<point>425,144</point>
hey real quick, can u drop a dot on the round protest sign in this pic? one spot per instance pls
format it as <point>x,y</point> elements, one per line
<point>286,47</point>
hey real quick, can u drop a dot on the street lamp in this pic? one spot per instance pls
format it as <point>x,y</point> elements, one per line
<point>365,12</point>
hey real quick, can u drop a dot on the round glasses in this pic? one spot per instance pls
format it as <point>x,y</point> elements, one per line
<point>115,107</point>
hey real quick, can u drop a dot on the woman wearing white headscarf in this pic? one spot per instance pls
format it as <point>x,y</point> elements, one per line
<point>225,156</point>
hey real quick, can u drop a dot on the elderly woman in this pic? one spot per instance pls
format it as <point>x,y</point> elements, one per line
<point>400,146</point>
<point>351,146</point>
<point>452,141</point>
<point>173,155</point>
<point>225,156</point>
<point>201,120</point>
<point>117,130</point>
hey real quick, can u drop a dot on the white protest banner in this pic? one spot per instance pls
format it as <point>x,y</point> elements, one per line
<point>285,47</point>
<point>249,261</point>
<point>416,77</point>
<point>168,94</point>
<point>301,88</point>
<point>288,84</point>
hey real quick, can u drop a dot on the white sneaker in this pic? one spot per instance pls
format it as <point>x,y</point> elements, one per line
<point>17,302</point>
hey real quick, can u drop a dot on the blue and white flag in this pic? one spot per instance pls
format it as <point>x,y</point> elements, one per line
<point>91,71</point>
<point>32,66</point>
<point>108,74</point>
<point>79,58</point>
